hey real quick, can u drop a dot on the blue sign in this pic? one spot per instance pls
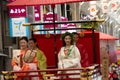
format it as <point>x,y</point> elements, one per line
<point>16,28</point>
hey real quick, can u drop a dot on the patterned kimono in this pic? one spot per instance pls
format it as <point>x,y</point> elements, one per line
<point>17,61</point>
<point>30,60</point>
<point>69,60</point>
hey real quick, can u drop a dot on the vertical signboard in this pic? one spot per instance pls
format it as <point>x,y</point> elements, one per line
<point>37,17</point>
<point>105,63</point>
<point>64,26</point>
<point>16,28</point>
<point>37,14</point>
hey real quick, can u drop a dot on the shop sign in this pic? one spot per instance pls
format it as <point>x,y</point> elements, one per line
<point>49,18</point>
<point>64,26</point>
<point>16,28</point>
<point>17,11</point>
<point>71,25</point>
<point>37,15</point>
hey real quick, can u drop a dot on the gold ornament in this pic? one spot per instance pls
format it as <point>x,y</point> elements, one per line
<point>47,35</point>
<point>81,34</point>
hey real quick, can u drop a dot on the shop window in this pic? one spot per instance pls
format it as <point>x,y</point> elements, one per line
<point>69,15</point>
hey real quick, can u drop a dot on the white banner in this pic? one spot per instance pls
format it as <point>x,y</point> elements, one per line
<point>16,28</point>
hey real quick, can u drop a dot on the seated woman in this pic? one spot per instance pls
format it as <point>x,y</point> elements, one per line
<point>40,57</point>
<point>69,55</point>
<point>25,60</point>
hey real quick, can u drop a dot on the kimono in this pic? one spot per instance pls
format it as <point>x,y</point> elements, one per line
<point>17,61</point>
<point>69,60</point>
<point>31,60</point>
<point>42,61</point>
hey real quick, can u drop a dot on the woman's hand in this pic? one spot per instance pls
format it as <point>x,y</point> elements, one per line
<point>16,60</point>
<point>65,57</point>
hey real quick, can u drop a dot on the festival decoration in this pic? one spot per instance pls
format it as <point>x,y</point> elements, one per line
<point>114,72</point>
<point>47,35</point>
<point>81,34</point>
<point>89,24</point>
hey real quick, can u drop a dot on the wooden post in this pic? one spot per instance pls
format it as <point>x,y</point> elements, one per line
<point>105,64</point>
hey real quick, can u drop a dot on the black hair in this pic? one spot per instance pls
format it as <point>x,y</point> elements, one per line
<point>33,39</point>
<point>24,38</point>
<point>67,34</point>
<point>75,33</point>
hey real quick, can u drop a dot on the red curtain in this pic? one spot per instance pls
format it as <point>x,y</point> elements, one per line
<point>47,45</point>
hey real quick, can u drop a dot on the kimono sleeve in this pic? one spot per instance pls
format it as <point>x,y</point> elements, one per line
<point>60,64</point>
<point>73,62</point>
<point>42,61</point>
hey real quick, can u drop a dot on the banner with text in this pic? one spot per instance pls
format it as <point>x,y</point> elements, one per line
<point>49,18</point>
<point>17,11</point>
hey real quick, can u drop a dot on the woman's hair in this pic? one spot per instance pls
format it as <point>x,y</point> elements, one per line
<point>75,33</point>
<point>67,34</point>
<point>24,38</point>
<point>33,39</point>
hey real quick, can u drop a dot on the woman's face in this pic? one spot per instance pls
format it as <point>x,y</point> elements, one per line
<point>32,44</point>
<point>67,40</point>
<point>23,44</point>
<point>76,37</point>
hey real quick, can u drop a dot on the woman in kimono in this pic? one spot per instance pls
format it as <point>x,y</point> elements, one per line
<point>25,60</point>
<point>69,55</point>
<point>40,56</point>
<point>84,54</point>
<point>17,61</point>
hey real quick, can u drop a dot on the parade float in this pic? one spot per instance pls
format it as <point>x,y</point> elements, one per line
<point>52,44</point>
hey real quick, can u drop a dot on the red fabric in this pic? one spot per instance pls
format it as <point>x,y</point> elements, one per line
<point>47,46</point>
<point>41,2</point>
<point>84,54</point>
<point>86,48</point>
<point>21,62</point>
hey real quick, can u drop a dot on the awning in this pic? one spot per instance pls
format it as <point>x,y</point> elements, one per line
<point>104,36</point>
<point>42,2</point>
